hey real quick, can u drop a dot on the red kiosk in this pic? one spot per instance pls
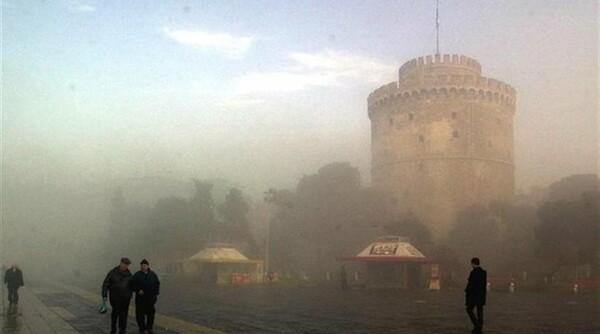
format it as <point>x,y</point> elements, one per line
<point>391,261</point>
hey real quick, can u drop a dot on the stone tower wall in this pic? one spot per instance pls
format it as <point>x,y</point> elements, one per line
<point>442,139</point>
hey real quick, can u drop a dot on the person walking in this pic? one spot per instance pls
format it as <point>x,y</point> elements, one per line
<point>147,290</point>
<point>13,278</point>
<point>476,294</point>
<point>119,286</point>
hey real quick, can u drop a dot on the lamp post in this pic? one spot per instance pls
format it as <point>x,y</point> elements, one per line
<point>268,237</point>
<point>269,195</point>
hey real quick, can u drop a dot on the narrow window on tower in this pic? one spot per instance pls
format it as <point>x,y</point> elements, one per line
<point>454,115</point>
<point>455,133</point>
<point>391,121</point>
<point>421,138</point>
<point>411,116</point>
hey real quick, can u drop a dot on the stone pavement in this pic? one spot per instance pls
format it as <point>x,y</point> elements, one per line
<point>30,316</point>
<point>57,308</point>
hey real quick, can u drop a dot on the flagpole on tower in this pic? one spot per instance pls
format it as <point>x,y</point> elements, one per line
<point>437,28</point>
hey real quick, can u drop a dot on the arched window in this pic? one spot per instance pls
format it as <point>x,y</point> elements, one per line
<point>455,134</point>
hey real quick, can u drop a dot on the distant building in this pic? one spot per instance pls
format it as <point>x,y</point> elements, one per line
<point>442,139</point>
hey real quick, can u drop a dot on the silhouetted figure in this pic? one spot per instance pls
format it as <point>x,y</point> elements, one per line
<point>13,278</point>
<point>119,286</point>
<point>147,290</point>
<point>475,294</point>
<point>344,278</point>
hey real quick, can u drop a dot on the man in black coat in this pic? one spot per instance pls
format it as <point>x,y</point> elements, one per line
<point>13,278</point>
<point>148,288</point>
<point>475,294</point>
<point>119,286</point>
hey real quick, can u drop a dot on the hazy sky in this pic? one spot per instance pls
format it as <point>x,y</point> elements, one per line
<point>261,92</point>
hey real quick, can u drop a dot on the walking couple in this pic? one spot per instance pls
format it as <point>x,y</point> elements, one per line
<point>119,286</point>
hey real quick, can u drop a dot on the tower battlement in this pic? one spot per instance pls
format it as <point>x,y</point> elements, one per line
<point>442,76</point>
<point>439,62</point>
<point>467,86</point>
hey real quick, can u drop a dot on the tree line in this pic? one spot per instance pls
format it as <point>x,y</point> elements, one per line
<point>175,227</point>
<point>331,213</point>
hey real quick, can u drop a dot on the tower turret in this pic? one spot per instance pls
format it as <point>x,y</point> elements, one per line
<point>442,139</point>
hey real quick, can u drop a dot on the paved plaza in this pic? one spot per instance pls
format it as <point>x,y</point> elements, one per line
<point>56,308</point>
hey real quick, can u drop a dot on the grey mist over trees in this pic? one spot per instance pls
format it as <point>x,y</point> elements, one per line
<point>568,233</point>
<point>174,228</point>
<point>329,214</point>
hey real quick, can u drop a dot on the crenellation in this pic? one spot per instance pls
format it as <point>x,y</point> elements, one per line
<point>493,83</point>
<point>384,90</point>
<point>384,98</point>
<point>425,85</point>
<point>414,68</point>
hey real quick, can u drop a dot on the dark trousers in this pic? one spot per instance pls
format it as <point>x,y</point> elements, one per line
<point>477,321</point>
<point>13,295</point>
<point>144,312</point>
<point>120,309</point>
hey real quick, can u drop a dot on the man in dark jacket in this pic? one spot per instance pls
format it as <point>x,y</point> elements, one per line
<point>119,285</point>
<point>13,278</point>
<point>147,289</point>
<point>475,294</point>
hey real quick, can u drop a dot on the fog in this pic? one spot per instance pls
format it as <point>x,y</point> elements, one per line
<point>253,95</point>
